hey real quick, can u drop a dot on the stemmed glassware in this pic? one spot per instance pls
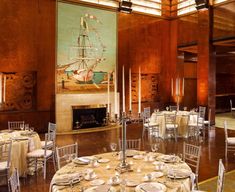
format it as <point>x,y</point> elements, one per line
<point>167,108</point>
<point>21,127</point>
<point>154,147</point>
<point>113,147</point>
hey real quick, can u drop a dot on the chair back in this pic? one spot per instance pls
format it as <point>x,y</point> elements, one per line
<point>65,154</point>
<point>15,125</point>
<point>225,130</point>
<point>147,112</point>
<point>14,182</point>
<point>51,127</point>
<point>170,119</point>
<point>173,108</point>
<point>50,137</point>
<point>5,153</point>
<point>191,155</point>
<point>202,112</point>
<point>220,181</point>
<point>131,144</point>
<point>209,115</point>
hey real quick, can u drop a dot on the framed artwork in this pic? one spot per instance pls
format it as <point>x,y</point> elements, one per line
<point>86,49</point>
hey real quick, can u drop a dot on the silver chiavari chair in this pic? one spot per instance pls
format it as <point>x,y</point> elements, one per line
<point>5,160</point>
<point>229,141</point>
<point>131,144</point>
<point>65,154</point>
<point>152,128</point>
<point>15,125</point>
<point>191,155</point>
<point>171,126</point>
<point>42,155</point>
<point>220,181</point>
<point>52,138</point>
<point>232,108</point>
<point>14,182</point>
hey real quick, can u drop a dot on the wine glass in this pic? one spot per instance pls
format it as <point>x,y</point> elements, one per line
<point>167,108</point>
<point>154,147</point>
<point>113,147</point>
<point>22,127</point>
<point>26,127</point>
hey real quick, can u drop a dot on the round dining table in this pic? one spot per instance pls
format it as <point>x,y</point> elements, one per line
<point>22,143</point>
<point>181,120</point>
<point>149,172</point>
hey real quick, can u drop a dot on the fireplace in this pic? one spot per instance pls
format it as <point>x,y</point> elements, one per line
<point>88,116</point>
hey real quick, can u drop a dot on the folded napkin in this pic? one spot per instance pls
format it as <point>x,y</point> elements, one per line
<point>102,188</point>
<point>150,188</point>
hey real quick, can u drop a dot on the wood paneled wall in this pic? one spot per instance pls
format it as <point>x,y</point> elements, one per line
<point>27,41</point>
<point>144,41</point>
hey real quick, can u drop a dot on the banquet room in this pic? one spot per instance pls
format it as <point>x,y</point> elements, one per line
<point>117,95</point>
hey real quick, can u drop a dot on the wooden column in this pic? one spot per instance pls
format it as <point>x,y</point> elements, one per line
<point>206,69</point>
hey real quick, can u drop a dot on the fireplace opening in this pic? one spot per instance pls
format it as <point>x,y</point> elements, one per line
<point>88,116</point>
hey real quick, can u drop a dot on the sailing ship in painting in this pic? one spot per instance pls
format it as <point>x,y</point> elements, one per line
<point>85,56</point>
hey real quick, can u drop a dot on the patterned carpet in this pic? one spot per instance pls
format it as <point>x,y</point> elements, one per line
<point>221,117</point>
<point>210,185</point>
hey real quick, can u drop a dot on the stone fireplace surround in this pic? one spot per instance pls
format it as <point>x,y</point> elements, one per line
<point>64,103</point>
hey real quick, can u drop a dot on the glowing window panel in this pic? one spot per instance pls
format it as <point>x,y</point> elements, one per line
<point>144,6</point>
<point>152,4</point>
<point>186,6</point>
<point>218,1</point>
<point>109,3</point>
<point>146,10</point>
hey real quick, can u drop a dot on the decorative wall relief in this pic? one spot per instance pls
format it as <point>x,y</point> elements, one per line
<point>149,87</point>
<point>86,49</point>
<point>20,92</point>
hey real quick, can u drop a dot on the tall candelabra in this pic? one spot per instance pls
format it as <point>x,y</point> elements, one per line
<point>123,166</point>
<point>177,91</point>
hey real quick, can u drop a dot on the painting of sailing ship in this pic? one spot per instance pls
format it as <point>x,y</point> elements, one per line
<point>86,49</point>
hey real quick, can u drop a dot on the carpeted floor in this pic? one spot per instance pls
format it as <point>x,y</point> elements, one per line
<point>210,185</point>
<point>221,117</point>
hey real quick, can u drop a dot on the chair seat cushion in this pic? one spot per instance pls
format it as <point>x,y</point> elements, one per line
<point>231,140</point>
<point>171,126</point>
<point>39,153</point>
<point>206,122</point>
<point>49,144</point>
<point>233,109</point>
<point>3,165</point>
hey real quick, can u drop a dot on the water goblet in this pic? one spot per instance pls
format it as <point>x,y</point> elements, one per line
<point>154,147</point>
<point>26,127</point>
<point>167,108</point>
<point>22,127</point>
<point>185,108</point>
<point>113,147</point>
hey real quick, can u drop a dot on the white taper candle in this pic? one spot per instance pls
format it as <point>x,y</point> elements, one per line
<point>130,96</point>
<point>108,89</point>
<point>0,87</point>
<point>4,88</point>
<point>139,106</point>
<point>123,89</point>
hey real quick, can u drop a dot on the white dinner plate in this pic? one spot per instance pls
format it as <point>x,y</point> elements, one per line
<point>131,183</point>
<point>138,157</point>
<point>131,152</point>
<point>103,160</point>
<point>101,188</point>
<point>179,173</point>
<point>97,182</point>
<point>150,187</point>
<point>157,174</point>
<point>168,158</point>
<point>82,160</point>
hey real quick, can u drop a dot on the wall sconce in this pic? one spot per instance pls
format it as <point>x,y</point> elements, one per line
<point>125,6</point>
<point>202,4</point>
